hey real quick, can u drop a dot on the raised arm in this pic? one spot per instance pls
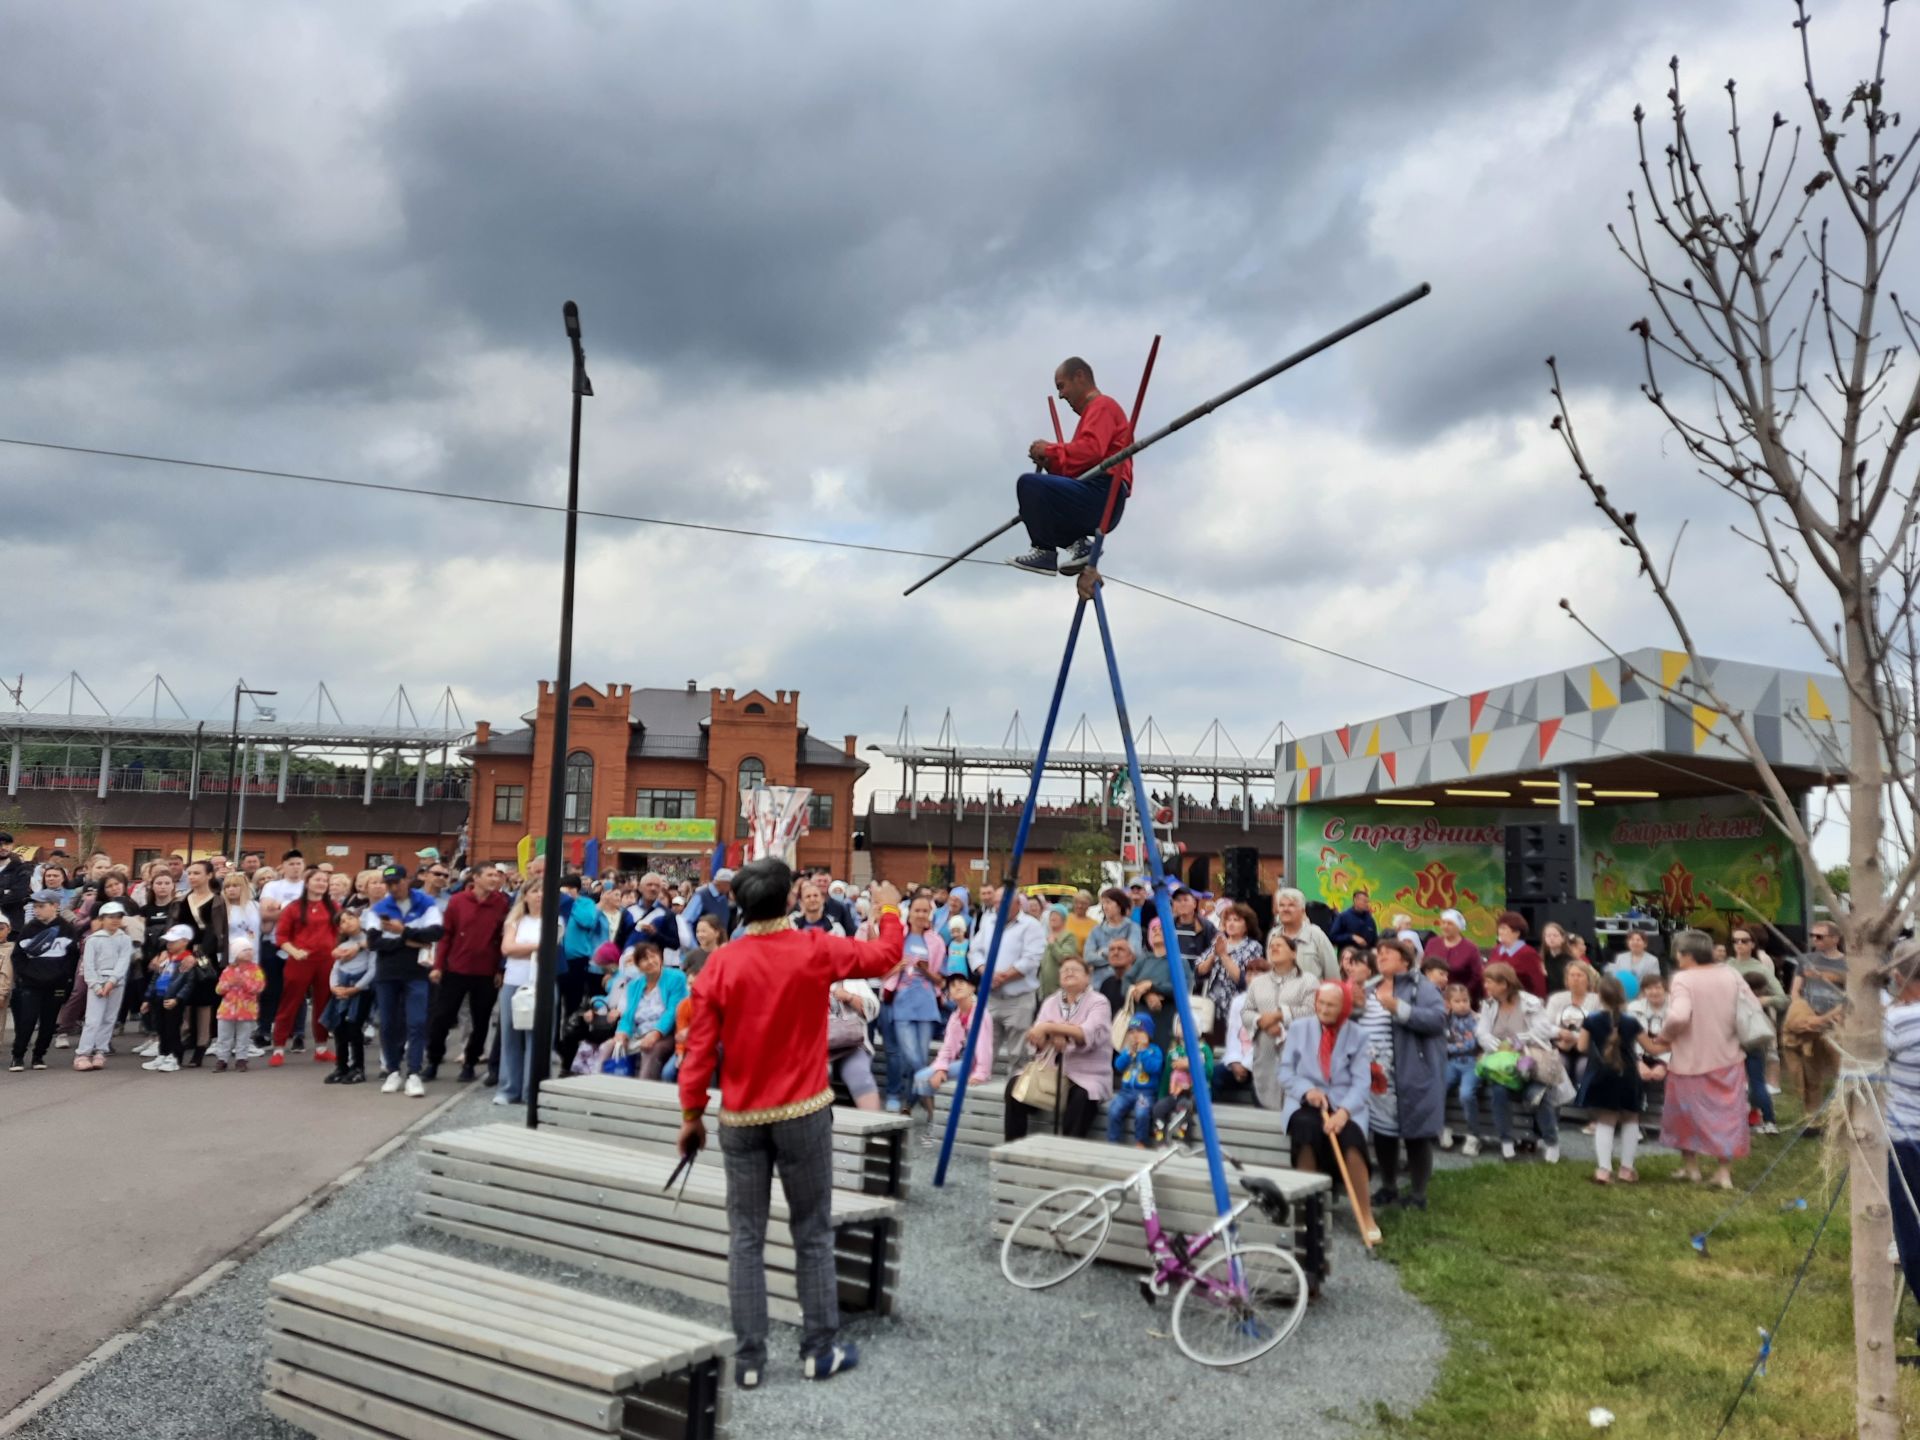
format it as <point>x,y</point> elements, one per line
<point>835,957</point>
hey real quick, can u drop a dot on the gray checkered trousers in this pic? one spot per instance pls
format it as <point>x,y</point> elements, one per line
<point>802,1151</point>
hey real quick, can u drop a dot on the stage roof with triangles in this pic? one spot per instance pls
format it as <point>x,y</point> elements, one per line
<point>1629,727</point>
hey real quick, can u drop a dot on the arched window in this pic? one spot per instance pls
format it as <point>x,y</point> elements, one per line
<point>583,702</point>
<point>577,818</point>
<point>753,776</point>
<point>754,707</point>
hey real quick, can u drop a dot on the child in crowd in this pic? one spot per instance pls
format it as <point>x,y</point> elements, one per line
<point>1179,1096</point>
<point>172,977</point>
<point>692,964</point>
<point>1650,1009</point>
<point>103,969</point>
<point>957,946</point>
<point>1463,1053</point>
<point>239,988</point>
<point>273,965</point>
<point>961,991</point>
<point>1138,1064</point>
<point>1610,1086</point>
<point>345,1017</point>
<point>1436,971</point>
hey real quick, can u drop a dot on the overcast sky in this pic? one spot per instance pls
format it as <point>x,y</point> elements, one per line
<point>827,256</point>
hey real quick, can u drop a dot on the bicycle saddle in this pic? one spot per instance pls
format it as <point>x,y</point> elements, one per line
<point>1267,1196</point>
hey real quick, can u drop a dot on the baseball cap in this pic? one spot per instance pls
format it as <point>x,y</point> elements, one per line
<point>431,854</point>
<point>179,932</point>
<point>46,897</point>
<point>395,872</point>
<point>726,875</point>
<point>112,907</point>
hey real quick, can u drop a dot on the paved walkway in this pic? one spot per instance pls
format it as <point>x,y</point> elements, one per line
<point>121,1186</point>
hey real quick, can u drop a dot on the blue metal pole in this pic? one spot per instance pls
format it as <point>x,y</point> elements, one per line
<point>1163,906</point>
<point>1006,900</point>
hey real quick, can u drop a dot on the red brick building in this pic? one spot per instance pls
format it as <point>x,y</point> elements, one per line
<point>680,756</point>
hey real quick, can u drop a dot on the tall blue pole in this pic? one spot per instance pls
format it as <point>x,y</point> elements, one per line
<point>1163,906</point>
<point>1006,899</point>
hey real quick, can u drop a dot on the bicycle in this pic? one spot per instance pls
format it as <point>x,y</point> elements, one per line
<point>1232,1309</point>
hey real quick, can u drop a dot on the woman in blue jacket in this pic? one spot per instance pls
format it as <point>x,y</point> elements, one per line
<point>1327,1077</point>
<point>653,1002</point>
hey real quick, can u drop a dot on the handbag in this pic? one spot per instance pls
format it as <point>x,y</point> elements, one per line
<point>1756,1030</point>
<point>1549,1068</point>
<point>1202,1013</point>
<point>846,1028</point>
<point>1038,1084</point>
<point>1118,1031</point>
<point>522,1008</point>
<point>1502,1067</point>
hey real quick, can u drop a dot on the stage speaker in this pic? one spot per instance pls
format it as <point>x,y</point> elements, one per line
<point>1242,867</point>
<point>1573,916</point>
<point>1539,841</point>
<point>1539,863</point>
<point>1197,868</point>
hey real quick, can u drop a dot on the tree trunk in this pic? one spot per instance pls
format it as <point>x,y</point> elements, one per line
<point>1865,928</point>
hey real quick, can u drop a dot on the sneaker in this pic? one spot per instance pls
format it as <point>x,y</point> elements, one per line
<point>324,1055</point>
<point>279,1059</point>
<point>1384,1198</point>
<point>825,1364</point>
<point>299,1044</point>
<point>16,1067</point>
<point>39,1064</point>
<point>1773,1089</point>
<point>355,1076</point>
<point>415,1088</point>
<point>167,1065</point>
<point>153,1064</point>
<point>1769,1128</point>
<point>892,1106</point>
<point>81,1062</point>
<point>1446,1137</point>
<point>1506,1150</point>
<point>219,1067</point>
<point>747,1377</point>
<point>1551,1155</point>
<point>149,1050</point>
<point>1078,557</point>
<point>392,1087</point>
<point>1035,562</point>
<point>336,1076</point>
<point>466,1075</point>
<point>927,1142</point>
<point>60,1042</point>
<point>1471,1147</point>
<point>255,1050</point>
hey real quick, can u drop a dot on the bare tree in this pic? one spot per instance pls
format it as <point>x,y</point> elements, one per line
<point>1773,321</point>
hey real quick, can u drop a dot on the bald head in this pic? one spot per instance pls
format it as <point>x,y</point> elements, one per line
<point>1073,382</point>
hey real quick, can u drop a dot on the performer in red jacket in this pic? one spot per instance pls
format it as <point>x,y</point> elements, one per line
<point>759,1009</point>
<point>1057,508</point>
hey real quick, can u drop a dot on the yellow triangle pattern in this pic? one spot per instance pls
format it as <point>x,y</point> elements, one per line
<point>1373,742</point>
<point>1476,747</point>
<point>1306,785</point>
<point>1600,695</point>
<point>1672,664</point>
<point>1703,722</point>
<point>1817,703</point>
<point>1299,757</point>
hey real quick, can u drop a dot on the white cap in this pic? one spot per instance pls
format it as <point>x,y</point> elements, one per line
<point>179,932</point>
<point>112,907</point>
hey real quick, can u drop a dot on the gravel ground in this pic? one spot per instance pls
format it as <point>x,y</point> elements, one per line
<point>961,1348</point>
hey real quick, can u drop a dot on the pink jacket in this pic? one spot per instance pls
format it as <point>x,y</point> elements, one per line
<point>1088,1065</point>
<point>1701,1020</point>
<point>936,965</point>
<point>955,1045</point>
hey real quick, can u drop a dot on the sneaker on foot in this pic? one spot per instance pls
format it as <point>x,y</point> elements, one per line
<point>414,1087</point>
<point>16,1067</point>
<point>324,1055</point>
<point>153,1064</point>
<point>1037,562</point>
<point>1506,1150</point>
<point>255,1051</point>
<point>1551,1154</point>
<point>1079,555</point>
<point>168,1065</point>
<point>747,1377</point>
<point>299,1044</point>
<point>39,1063</point>
<point>392,1086</point>
<point>825,1364</point>
<point>60,1042</point>
<point>892,1106</point>
<point>149,1050</point>
<point>80,1062</point>
<point>355,1076</point>
<point>336,1076</point>
<point>1471,1147</point>
<point>279,1058</point>
<point>1446,1137</point>
<point>491,1079</point>
<point>1769,1128</point>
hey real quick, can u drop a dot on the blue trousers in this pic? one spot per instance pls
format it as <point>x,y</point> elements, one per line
<point>907,1047</point>
<point>403,1021</point>
<point>1758,1097</point>
<point>1130,1107</point>
<point>1904,1158</point>
<point>1058,511</point>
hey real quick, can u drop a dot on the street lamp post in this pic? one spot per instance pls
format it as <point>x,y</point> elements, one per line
<point>233,753</point>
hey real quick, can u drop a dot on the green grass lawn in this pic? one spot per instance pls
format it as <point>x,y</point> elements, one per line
<point>1558,1295</point>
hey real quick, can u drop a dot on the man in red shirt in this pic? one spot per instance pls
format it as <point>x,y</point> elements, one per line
<point>759,1010</point>
<point>1059,509</point>
<point>467,968</point>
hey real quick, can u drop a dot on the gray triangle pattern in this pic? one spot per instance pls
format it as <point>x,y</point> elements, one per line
<point>1631,689</point>
<point>1425,777</point>
<point>1576,703</point>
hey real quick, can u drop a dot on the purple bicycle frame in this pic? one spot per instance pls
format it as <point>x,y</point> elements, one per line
<point>1173,1264</point>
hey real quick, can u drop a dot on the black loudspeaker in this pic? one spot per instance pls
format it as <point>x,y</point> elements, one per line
<point>1197,868</point>
<point>1539,863</point>
<point>1242,872</point>
<point>1573,916</point>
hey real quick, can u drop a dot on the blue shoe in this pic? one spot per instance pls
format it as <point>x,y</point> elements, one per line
<point>1037,562</point>
<point>893,1106</point>
<point>1078,557</point>
<point>825,1364</point>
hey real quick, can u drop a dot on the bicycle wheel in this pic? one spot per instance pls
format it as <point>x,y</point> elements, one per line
<point>1056,1237</point>
<point>1221,1317</point>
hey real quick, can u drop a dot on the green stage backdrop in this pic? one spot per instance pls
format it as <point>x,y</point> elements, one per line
<point>1710,859</point>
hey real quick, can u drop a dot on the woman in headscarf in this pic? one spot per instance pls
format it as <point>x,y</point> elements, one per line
<point>1464,965</point>
<point>1325,1071</point>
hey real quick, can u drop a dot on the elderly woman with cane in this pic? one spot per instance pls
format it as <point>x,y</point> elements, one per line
<point>761,1001</point>
<point>1326,1074</point>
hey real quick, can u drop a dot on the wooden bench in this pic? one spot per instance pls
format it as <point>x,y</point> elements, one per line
<point>1569,1114</point>
<point>1248,1132</point>
<point>1024,1170</point>
<point>408,1343</point>
<point>869,1146</point>
<point>604,1207</point>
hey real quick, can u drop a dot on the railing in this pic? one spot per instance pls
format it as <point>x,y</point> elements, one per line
<point>140,779</point>
<point>1067,805</point>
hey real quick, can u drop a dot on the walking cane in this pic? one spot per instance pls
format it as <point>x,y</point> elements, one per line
<point>1346,1178</point>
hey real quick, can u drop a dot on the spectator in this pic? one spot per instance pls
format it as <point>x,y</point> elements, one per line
<point>1555,955</point>
<point>1705,1110</point>
<point>1581,993</point>
<point>1073,1032</point>
<point>172,973</point>
<point>1511,1020</point>
<point>1464,965</point>
<point>915,990</point>
<point>1115,920</point>
<point>589,925</point>
<point>1080,919</point>
<point>206,912</point>
<point>309,929</point>
<point>1151,987</point>
<point>239,988</point>
<point>1355,925</point>
<point>1061,943</point>
<point>1139,1064</point>
<point>1463,1051</point>
<point>961,994</point>
<point>1818,1008</point>
<point>519,948</point>
<point>1610,1086</point>
<point>1900,1030</point>
<point>1014,994</point>
<point>1759,1101</point>
<point>16,884</point>
<point>399,929</point>
<point>1221,971</point>
<point>1173,1111</point>
<point>1276,995</point>
<point>350,984</point>
<point>714,898</point>
<point>652,911</point>
<point>1118,980</point>
<point>1317,957</point>
<point>1356,967</point>
<point>1510,937</point>
<point>1412,1111</point>
<point>467,969</point>
<point>6,972</point>
<point>291,886</point>
<point>1194,932</point>
<point>1636,960</point>
<point>1825,955</point>
<point>1753,965</point>
<point>161,911</point>
<point>707,939</point>
<point>852,1008</point>
<point>1325,1073</point>
<point>653,997</point>
<point>107,959</point>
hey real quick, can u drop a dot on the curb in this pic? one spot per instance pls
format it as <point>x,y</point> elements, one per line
<point>55,1388</point>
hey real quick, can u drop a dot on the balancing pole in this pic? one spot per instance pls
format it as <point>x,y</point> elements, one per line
<point>1053,411</point>
<point>1200,412</point>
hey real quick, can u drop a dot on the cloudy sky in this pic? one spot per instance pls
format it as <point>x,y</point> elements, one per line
<point>828,255</point>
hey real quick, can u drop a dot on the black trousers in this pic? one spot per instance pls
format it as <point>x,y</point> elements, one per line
<point>274,966</point>
<point>1076,1112</point>
<point>35,1008</point>
<point>1386,1149</point>
<point>167,1022</point>
<point>476,993</point>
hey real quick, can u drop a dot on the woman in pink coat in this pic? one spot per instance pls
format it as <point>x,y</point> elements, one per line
<point>1074,1030</point>
<point>1706,1102</point>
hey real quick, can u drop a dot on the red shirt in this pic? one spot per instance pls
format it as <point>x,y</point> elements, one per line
<point>313,927</point>
<point>1528,966</point>
<point>1102,430</point>
<point>470,942</point>
<point>763,1000</point>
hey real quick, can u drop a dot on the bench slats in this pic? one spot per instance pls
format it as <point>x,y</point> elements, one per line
<point>292,1355</point>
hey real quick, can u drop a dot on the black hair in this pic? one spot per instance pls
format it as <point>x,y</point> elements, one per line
<point>762,889</point>
<point>291,855</point>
